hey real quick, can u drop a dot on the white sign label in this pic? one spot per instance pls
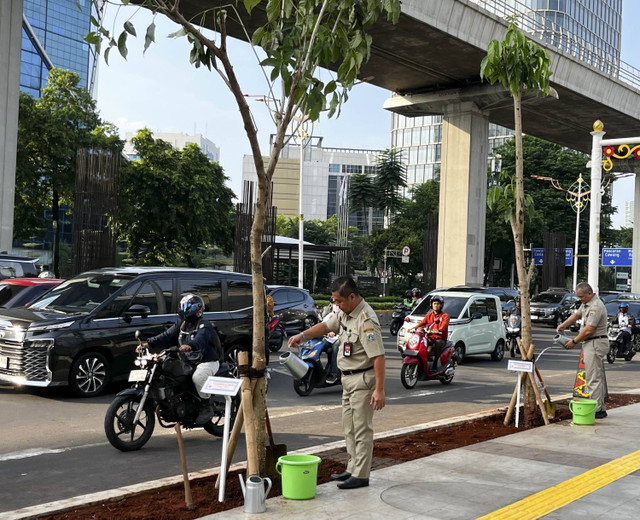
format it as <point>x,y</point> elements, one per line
<point>221,385</point>
<point>520,366</point>
<point>405,259</point>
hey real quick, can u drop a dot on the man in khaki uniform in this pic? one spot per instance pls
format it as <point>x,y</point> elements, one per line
<point>596,344</point>
<point>361,361</point>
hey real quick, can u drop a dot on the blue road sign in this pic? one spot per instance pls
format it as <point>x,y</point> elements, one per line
<point>616,257</point>
<point>537,253</point>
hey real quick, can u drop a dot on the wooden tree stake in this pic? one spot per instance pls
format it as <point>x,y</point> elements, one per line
<point>185,474</point>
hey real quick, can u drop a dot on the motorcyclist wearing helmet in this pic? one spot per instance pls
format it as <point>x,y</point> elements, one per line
<point>626,323</point>
<point>437,323</point>
<point>408,299</point>
<point>516,309</point>
<point>199,342</point>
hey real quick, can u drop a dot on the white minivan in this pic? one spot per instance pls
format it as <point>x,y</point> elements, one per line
<point>475,325</point>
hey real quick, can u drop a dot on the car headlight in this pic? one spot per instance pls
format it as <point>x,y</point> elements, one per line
<point>551,310</point>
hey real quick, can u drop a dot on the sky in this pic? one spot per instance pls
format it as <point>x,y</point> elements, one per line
<point>162,91</point>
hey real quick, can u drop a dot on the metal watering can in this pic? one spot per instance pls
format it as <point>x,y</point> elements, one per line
<point>255,496</point>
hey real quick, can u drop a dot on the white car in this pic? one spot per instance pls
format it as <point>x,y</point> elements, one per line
<point>475,325</point>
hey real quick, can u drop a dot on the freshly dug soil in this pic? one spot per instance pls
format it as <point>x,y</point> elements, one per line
<point>169,504</point>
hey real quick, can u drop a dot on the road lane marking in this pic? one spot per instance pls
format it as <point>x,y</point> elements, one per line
<point>550,499</point>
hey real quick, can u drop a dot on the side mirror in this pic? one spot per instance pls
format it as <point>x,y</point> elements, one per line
<point>136,310</point>
<point>476,316</point>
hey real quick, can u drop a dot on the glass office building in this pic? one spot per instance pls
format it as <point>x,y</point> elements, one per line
<point>58,27</point>
<point>590,30</point>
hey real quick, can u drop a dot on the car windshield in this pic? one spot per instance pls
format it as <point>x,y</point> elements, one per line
<point>547,298</point>
<point>83,293</point>
<point>8,291</point>
<point>453,306</point>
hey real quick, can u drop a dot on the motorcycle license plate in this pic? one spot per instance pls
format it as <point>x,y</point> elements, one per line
<point>137,375</point>
<point>4,362</point>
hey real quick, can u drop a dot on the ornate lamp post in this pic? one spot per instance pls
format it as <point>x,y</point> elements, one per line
<point>578,196</point>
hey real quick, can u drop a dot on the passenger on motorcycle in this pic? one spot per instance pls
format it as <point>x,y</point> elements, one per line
<point>438,326</point>
<point>626,323</point>
<point>331,309</point>
<point>415,293</point>
<point>198,342</point>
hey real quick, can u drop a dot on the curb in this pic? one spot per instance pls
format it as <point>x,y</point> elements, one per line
<point>113,494</point>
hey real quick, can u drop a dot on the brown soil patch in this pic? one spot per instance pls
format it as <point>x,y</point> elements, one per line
<point>169,504</point>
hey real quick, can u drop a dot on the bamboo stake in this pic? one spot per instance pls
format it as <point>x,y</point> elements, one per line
<point>185,474</point>
<point>249,419</point>
<point>538,398</point>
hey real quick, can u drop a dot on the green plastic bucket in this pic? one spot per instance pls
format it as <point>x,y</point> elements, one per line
<point>584,411</point>
<point>299,475</point>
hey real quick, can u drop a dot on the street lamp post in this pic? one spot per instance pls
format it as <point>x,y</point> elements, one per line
<point>577,196</point>
<point>302,136</point>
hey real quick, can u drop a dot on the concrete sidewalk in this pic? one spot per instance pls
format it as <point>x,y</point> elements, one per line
<point>561,471</point>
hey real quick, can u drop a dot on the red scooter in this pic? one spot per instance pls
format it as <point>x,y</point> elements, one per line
<point>418,360</point>
<point>277,333</point>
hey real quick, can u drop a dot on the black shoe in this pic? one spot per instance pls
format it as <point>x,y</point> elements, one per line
<point>601,414</point>
<point>205,415</point>
<point>332,378</point>
<point>340,476</point>
<point>353,483</point>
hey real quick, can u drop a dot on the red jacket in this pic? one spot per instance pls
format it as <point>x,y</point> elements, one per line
<point>438,323</point>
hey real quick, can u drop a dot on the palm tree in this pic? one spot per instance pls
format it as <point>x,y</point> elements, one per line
<point>362,194</point>
<point>391,175</point>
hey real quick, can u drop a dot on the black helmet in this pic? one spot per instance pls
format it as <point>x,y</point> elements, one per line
<point>437,298</point>
<point>191,307</point>
<point>517,300</point>
<point>624,307</point>
<point>408,294</point>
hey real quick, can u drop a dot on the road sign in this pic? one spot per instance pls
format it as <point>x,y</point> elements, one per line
<point>383,274</point>
<point>537,253</point>
<point>616,257</point>
<point>406,251</point>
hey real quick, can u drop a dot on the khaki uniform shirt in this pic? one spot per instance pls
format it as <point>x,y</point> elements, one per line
<point>361,328</point>
<point>594,313</point>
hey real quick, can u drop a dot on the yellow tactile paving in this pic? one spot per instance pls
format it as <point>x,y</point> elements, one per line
<point>550,499</point>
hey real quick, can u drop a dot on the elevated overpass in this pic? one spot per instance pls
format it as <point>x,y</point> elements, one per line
<point>430,62</point>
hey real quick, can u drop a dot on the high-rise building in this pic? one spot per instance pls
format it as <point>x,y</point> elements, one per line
<point>325,179</point>
<point>590,30</point>
<point>53,36</point>
<point>178,140</point>
<point>628,213</point>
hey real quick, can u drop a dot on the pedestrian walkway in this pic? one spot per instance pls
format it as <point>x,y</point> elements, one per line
<point>561,471</point>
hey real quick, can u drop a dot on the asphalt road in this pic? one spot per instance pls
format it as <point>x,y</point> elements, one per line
<point>52,446</point>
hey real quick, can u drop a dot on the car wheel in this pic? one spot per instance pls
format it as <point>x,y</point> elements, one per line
<point>89,374</point>
<point>459,352</point>
<point>498,352</point>
<point>309,322</point>
<point>231,358</point>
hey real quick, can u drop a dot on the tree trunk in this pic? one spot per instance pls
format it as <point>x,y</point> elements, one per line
<point>55,214</point>
<point>517,226</point>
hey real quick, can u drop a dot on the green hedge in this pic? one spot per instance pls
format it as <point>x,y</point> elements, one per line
<point>377,303</point>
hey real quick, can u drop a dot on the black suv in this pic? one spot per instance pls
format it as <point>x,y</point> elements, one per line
<point>17,267</point>
<point>552,307</point>
<point>299,310</point>
<point>82,332</point>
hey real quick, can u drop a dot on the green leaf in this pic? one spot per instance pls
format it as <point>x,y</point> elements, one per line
<point>273,10</point>
<point>258,35</point>
<point>128,26</point>
<point>150,36</point>
<point>106,55</point>
<point>250,4</point>
<point>122,44</point>
<point>180,32</point>
<point>93,20</point>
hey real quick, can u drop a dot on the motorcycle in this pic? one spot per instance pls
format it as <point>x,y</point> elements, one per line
<point>162,387</point>
<point>277,333</point>
<point>616,344</point>
<point>418,358</point>
<point>400,312</point>
<point>512,325</point>
<point>309,370</point>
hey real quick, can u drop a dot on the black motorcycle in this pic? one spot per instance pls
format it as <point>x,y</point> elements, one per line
<point>616,344</point>
<point>400,312</point>
<point>162,387</point>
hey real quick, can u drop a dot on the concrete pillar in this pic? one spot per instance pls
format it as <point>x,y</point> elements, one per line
<point>635,254</point>
<point>463,195</point>
<point>10,45</point>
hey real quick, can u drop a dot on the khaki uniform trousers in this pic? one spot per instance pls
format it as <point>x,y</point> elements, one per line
<point>595,352</point>
<point>357,421</point>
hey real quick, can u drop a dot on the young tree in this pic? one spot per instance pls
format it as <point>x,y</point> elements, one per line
<point>520,65</point>
<point>297,38</point>
<point>174,201</point>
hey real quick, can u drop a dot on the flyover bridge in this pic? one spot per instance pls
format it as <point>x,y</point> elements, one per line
<point>430,61</point>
